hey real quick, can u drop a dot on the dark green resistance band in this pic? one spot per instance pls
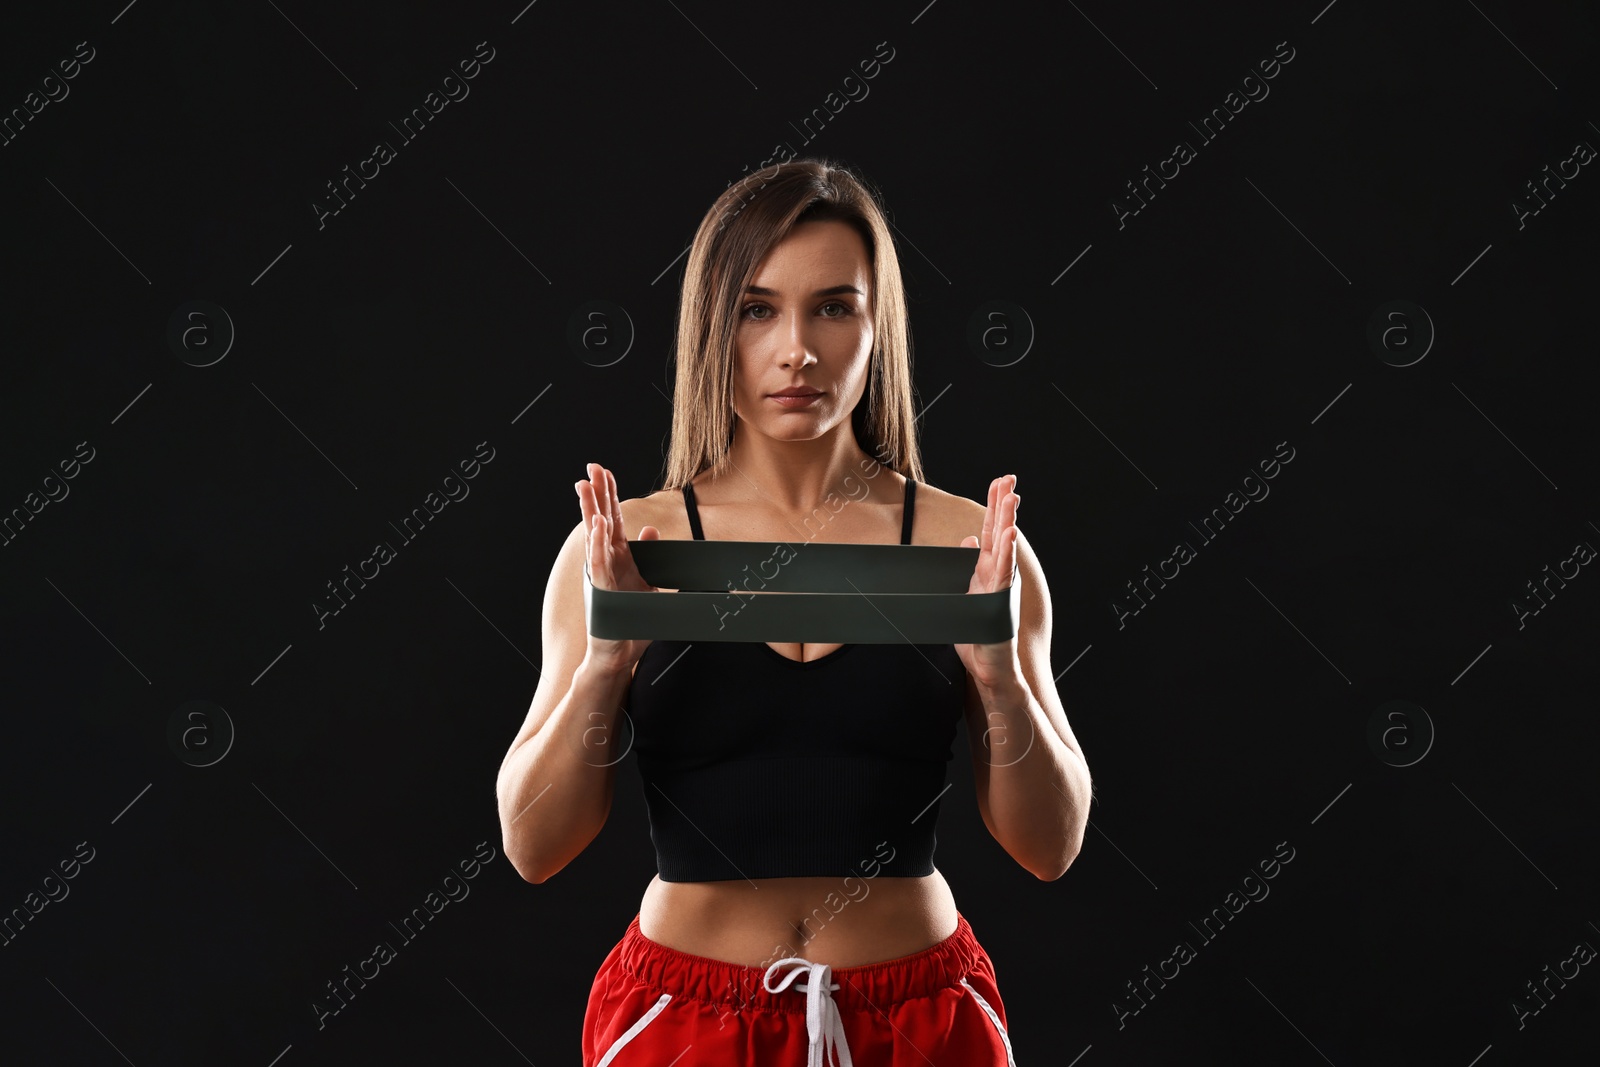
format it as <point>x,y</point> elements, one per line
<point>844,593</point>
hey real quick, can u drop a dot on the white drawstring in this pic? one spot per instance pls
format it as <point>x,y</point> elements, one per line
<point>824,1027</point>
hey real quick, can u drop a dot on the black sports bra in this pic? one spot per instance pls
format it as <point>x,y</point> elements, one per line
<point>759,766</point>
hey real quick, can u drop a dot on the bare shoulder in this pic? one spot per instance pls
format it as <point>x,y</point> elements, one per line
<point>663,509</point>
<point>949,517</point>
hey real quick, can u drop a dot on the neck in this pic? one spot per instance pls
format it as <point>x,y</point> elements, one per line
<point>796,477</point>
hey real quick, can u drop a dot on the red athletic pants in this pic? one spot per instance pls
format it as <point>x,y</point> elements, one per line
<point>654,1005</point>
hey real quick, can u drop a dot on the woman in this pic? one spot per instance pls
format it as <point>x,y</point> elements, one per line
<point>793,787</point>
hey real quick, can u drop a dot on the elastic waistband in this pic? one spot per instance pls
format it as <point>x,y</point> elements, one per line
<point>869,986</point>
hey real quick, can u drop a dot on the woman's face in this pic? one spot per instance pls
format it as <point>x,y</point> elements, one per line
<point>805,320</point>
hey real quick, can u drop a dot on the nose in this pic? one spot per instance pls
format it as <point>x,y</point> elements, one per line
<point>794,351</point>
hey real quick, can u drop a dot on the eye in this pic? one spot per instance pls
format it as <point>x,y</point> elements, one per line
<point>747,312</point>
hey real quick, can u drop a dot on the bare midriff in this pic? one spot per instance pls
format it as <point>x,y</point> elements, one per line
<point>826,920</point>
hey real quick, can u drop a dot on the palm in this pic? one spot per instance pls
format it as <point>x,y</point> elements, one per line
<point>995,570</point>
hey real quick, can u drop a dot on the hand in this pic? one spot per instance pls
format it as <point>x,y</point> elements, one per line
<point>990,665</point>
<point>611,564</point>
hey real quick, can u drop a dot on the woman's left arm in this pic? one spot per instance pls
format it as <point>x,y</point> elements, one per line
<point>1032,780</point>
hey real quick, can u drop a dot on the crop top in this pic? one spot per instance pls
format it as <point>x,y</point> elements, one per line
<point>759,766</point>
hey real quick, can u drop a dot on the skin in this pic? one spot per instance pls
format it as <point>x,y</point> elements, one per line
<point>783,463</point>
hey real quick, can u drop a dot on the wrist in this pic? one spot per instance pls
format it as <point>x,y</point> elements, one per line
<point>1004,686</point>
<point>604,667</point>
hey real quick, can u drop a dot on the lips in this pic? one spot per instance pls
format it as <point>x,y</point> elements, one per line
<point>797,391</point>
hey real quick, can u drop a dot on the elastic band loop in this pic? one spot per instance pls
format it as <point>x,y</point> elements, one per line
<point>845,593</point>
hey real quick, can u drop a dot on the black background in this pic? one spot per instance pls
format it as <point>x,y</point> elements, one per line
<point>1180,348</point>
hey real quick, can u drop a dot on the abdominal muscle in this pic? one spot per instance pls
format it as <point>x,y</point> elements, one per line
<point>826,920</point>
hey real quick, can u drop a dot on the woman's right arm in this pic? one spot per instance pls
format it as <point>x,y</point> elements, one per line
<point>556,783</point>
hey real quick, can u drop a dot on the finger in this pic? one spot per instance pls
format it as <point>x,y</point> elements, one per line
<point>591,507</point>
<point>602,501</point>
<point>594,530</point>
<point>613,505</point>
<point>597,491</point>
<point>587,482</point>
<point>593,512</point>
<point>1011,541</point>
<point>595,558</point>
<point>985,543</point>
<point>604,564</point>
<point>597,487</point>
<point>619,528</point>
<point>591,560</point>
<point>585,505</point>
<point>1002,545</point>
<point>1008,522</point>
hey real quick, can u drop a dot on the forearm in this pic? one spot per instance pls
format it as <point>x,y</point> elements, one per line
<point>554,791</point>
<point>1039,788</point>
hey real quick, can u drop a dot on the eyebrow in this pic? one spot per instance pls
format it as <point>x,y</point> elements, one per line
<point>832,290</point>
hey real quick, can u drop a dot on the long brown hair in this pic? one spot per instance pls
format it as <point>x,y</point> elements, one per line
<point>741,227</point>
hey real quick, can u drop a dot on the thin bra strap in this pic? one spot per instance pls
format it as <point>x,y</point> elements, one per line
<point>694,512</point>
<point>908,509</point>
